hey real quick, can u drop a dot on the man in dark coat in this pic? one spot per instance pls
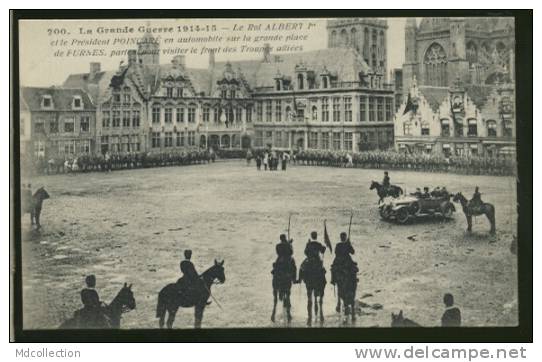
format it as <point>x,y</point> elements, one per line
<point>343,259</point>
<point>386,180</point>
<point>313,249</point>
<point>190,276</point>
<point>476,201</point>
<point>89,295</point>
<point>284,260</point>
<point>452,314</point>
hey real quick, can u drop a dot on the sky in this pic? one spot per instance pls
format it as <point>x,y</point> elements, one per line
<point>40,67</point>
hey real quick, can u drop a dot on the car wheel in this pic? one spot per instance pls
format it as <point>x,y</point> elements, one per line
<point>384,213</point>
<point>402,215</point>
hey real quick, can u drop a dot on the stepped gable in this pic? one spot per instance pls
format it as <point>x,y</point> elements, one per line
<point>434,95</point>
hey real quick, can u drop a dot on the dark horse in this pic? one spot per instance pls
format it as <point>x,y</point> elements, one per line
<point>171,298</point>
<point>283,274</point>
<point>485,209</point>
<point>394,191</point>
<point>107,316</point>
<point>347,283</point>
<point>314,276</point>
<point>397,320</point>
<point>33,206</point>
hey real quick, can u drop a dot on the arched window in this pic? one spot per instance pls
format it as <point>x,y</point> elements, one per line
<point>491,128</point>
<point>375,37</point>
<point>333,39</point>
<point>354,38</point>
<point>373,61</point>
<point>314,113</point>
<point>277,82</point>
<point>435,63</point>
<point>472,53</point>
<point>382,41</point>
<point>366,45</point>
<point>344,38</point>
<point>300,81</point>
<point>324,82</point>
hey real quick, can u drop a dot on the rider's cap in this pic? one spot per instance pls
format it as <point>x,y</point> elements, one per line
<point>448,299</point>
<point>343,236</point>
<point>90,280</point>
<point>282,237</point>
<point>188,253</point>
<point>314,234</point>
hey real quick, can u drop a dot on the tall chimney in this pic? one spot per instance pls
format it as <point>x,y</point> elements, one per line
<point>95,68</point>
<point>132,56</point>
<point>267,53</point>
<point>211,59</point>
<point>179,60</point>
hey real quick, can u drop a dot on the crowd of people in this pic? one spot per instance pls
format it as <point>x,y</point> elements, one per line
<point>467,164</point>
<point>115,161</point>
<point>269,159</point>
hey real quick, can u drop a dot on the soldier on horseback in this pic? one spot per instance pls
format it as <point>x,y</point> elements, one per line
<point>284,260</point>
<point>343,260</point>
<point>91,315</point>
<point>476,201</point>
<point>313,249</point>
<point>386,181</point>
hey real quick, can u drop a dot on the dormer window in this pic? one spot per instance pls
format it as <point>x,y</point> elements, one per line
<point>300,79</point>
<point>277,83</point>
<point>77,102</point>
<point>47,102</point>
<point>179,92</point>
<point>224,93</point>
<point>233,93</point>
<point>169,92</point>
<point>325,82</point>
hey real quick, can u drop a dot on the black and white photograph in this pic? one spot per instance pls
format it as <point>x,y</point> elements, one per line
<point>276,173</point>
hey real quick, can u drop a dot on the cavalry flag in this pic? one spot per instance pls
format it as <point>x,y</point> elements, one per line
<point>326,239</point>
<point>409,105</point>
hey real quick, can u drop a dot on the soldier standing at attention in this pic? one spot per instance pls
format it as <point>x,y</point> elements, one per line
<point>452,314</point>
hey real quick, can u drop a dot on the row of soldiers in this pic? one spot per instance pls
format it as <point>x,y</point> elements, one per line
<point>468,164</point>
<point>86,162</point>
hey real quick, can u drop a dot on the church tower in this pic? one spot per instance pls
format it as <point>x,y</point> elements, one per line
<point>458,64</point>
<point>410,66</point>
<point>148,50</point>
<point>367,36</point>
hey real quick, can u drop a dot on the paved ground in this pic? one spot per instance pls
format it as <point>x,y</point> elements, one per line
<point>132,226</point>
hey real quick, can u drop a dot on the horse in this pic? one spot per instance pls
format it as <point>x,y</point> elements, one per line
<point>347,283</point>
<point>282,285</point>
<point>107,316</point>
<point>485,208</point>
<point>397,320</point>
<point>34,204</point>
<point>394,191</point>
<point>170,298</point>
<point>313,275</point>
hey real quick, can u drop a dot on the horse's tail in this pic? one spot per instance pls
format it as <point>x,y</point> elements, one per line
<point>160,307</point>
<point>400,190</point>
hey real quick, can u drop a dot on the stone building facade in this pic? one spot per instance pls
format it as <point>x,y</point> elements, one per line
<point>56,121</point>
<point>479,51</point>
<point>457,123</point>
